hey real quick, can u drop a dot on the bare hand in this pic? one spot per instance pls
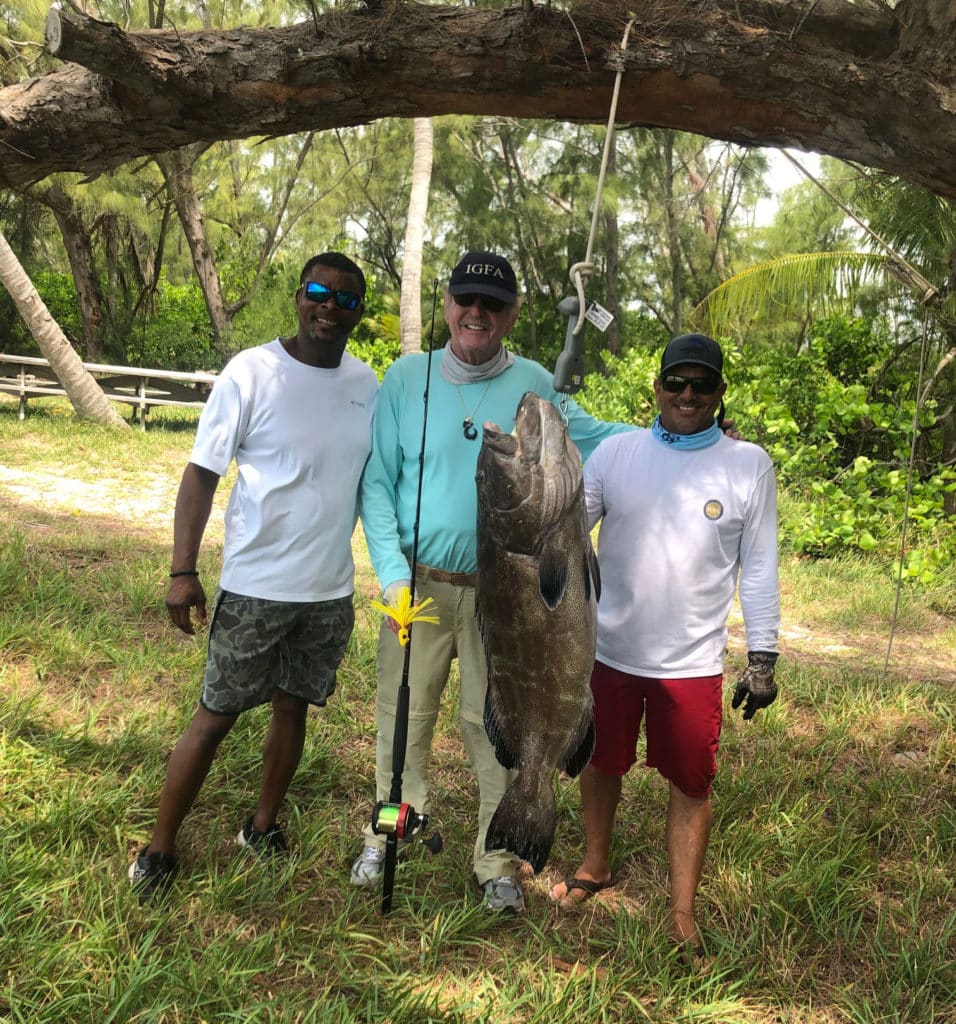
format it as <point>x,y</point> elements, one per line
<point>729,427</point>
<point>186,592</point>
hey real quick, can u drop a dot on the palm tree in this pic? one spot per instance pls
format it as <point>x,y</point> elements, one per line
<point>915,234</point>
<point>411,303</point>
<point>82,390</point>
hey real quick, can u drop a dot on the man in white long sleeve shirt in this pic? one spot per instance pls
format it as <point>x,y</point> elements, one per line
<point>684,512</point>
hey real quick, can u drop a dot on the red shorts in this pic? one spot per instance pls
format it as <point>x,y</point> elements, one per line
<point>683,725</point>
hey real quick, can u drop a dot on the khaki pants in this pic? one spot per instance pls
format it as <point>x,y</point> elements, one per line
<point>433,648</point>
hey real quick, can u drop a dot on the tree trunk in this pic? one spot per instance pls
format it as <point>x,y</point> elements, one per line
<point>410,310</point>
<point>857,80</point>
<point>82,390</point>
<point>673,234</point>
<point>178,175</point>
<point>79,251</point>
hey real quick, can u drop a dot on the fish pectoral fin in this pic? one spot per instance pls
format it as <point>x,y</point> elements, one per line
<point>552,575</point>
<point>592,574</point>
<point>505,755</point>
<point>578,759</point>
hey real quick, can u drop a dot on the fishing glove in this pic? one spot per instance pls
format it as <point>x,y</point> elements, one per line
<point>756,683</point>
<point>391,592</point>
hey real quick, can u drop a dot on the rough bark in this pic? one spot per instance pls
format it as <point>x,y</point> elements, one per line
<point>79,250</point>
<point>177,170</point>
<point>858,80</point>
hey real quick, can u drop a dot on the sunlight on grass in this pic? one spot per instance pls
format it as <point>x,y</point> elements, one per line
<point>828,894</point>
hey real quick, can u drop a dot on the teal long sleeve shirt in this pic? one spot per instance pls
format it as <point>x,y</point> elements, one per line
<point>449,509</point>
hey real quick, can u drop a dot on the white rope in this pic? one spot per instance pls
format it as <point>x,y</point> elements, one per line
<point>581,272</point>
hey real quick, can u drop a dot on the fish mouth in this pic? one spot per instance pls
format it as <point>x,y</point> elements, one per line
<point>524,442</point>
<point>540,429</point>
<point>538,434</point>
<point>500,443</point>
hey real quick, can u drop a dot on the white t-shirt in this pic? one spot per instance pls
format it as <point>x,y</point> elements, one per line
<point>677,527</point>
<point>300,436</point>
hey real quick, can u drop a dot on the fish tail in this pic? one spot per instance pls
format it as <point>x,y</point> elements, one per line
<point>525,821</point>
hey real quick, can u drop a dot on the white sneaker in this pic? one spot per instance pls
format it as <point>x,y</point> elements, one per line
<point>368,867</point>
<point>504,894</point>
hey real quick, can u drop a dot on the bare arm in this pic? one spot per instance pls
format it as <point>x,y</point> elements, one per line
<point>193,505</point>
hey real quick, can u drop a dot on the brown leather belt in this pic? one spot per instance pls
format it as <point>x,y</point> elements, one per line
<point>456,579</point>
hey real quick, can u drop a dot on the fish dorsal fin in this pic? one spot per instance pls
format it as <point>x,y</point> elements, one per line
<point>552,574</point>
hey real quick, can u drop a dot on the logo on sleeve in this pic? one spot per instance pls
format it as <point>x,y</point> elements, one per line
<point>713,510</point>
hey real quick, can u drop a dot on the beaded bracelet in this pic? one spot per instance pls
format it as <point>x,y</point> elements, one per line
<point>184,572</point>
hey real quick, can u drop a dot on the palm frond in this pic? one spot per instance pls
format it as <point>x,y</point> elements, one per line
<point>787,286</point>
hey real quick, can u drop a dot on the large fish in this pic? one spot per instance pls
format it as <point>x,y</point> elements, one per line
<point>536,596</point>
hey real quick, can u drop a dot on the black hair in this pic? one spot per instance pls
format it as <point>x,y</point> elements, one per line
<point>339,262</point>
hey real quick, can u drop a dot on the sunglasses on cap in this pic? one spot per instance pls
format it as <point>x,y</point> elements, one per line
<point>699,385</point>
<point>488,302</point>
<point>316,292</point>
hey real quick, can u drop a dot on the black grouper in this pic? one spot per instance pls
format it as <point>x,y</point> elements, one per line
<point>536,597</point>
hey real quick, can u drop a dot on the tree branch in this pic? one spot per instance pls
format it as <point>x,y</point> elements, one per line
<point>839,78</point>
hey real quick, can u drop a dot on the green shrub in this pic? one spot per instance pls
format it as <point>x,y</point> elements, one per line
<point>837,420</point>
<point>176,334</point>
<point>626,393</point>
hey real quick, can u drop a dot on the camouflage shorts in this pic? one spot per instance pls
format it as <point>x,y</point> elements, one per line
<point>257,647</point>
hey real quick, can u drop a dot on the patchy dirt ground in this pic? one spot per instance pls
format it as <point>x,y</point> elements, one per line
<point>148,506</point>
<point>926,653</point>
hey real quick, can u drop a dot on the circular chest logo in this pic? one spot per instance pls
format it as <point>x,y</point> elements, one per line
<point>713,509</point>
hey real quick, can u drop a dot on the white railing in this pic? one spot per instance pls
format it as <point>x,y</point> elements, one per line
<point>31,377</point>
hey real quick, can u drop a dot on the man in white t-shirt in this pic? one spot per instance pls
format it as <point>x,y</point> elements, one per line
<point>295,414</point>
<point>684,511</point>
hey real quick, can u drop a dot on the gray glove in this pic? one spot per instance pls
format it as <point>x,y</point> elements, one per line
<point>756,683</point>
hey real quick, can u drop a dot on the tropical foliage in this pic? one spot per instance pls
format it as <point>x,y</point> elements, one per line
<point>181,261</point>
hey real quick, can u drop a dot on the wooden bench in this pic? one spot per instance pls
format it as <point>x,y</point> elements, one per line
<point>30,377</point>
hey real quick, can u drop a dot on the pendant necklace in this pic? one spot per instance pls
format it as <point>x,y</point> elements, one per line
<point>468,423</point>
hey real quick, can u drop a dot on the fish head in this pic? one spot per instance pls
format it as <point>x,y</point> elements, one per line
<point>529,477</point>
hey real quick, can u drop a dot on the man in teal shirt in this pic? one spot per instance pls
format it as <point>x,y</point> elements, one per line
<point>474,379</point>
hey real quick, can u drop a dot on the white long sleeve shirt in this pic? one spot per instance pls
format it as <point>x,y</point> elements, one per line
<point>678,527</point>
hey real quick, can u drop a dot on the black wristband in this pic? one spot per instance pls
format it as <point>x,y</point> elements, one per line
<point>184,572</point>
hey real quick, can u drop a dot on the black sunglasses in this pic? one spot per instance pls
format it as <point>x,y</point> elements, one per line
<point>316,292</point>
<point>699,385</point>
<point>488,302</point>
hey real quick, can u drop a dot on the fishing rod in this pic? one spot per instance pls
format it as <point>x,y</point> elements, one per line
<point>393,818</point>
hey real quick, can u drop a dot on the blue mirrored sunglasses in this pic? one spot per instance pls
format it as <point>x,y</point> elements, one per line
<point>316,292</point>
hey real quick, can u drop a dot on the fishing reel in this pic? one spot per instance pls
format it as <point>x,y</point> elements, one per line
<point>405,823</point>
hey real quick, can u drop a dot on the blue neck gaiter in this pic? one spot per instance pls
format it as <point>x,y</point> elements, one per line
<point>686,442</point>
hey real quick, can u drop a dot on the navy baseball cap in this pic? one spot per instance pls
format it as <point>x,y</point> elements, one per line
<point>484,273</point>
<point>693,349</point>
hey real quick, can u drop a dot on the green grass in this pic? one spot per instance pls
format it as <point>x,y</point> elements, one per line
<point>828,895</point>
